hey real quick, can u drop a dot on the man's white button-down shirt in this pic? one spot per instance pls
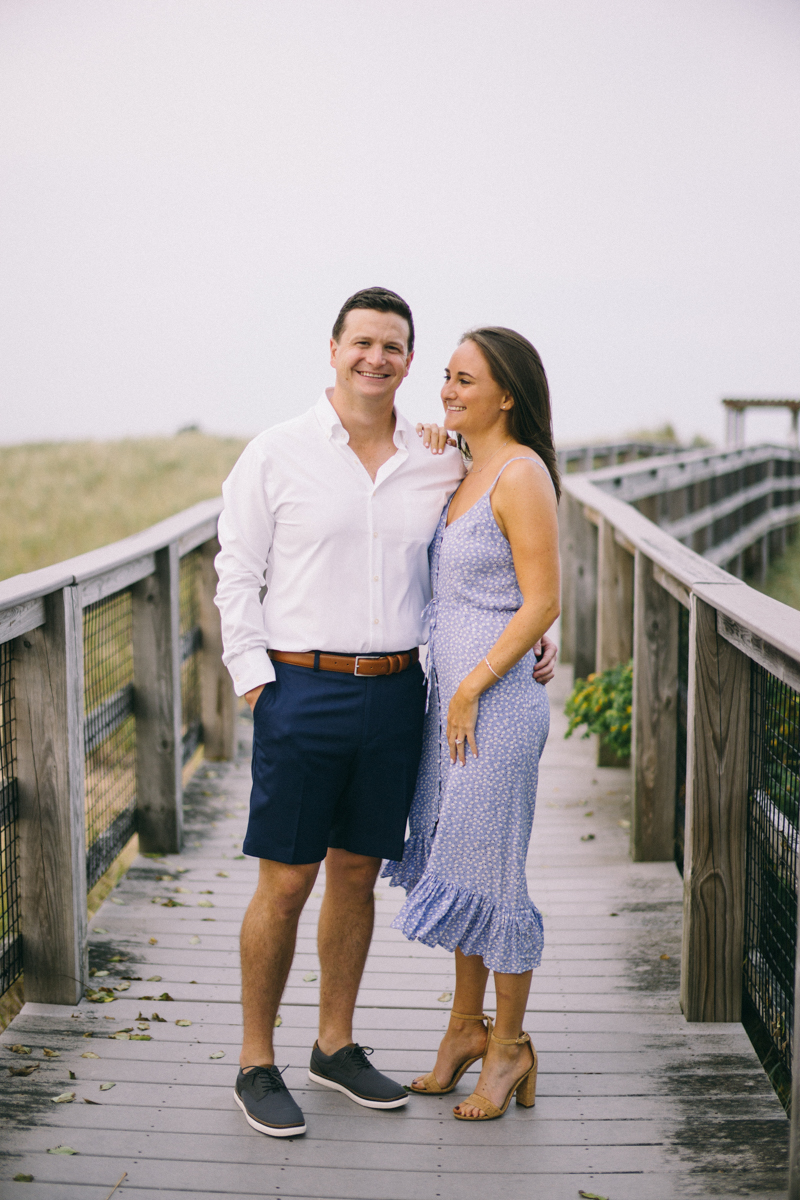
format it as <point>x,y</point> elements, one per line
<point>344,560</point>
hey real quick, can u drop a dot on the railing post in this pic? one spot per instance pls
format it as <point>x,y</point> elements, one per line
<point>794,1137</point>
<point>718,736</point>
<point>52,825</point>
<point>218,699</point>
<point>655,711</point>
<point>614,600</point>
<point>579,600</point>
<point>157,703</point>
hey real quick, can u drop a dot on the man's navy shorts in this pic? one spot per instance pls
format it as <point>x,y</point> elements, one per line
<point>335,761</point>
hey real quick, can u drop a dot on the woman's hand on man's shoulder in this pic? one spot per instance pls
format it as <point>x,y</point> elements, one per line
<point>434,437</point>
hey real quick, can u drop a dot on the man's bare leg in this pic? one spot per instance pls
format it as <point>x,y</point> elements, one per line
<point>345,931</point>
<point>269,932</point>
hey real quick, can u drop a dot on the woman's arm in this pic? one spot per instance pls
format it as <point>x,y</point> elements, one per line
<point>524,506</point>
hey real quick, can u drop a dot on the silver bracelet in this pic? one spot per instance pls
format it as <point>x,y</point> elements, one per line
<point>491,668</point>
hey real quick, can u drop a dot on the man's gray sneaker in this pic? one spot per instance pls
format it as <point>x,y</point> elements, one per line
<point>350,1071</point>
<point>267,1103</point>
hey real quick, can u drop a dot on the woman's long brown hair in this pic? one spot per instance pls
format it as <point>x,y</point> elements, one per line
<point>515,366</point>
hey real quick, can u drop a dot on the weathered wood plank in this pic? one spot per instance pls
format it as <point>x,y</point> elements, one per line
<point>21,618</point>
<point>614,643</point>
<point>655,704</point>
<point>50,774</point>
<point>716,803</point>
<point>157,686</point>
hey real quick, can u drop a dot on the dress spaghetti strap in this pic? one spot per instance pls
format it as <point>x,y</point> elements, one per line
<point>520,458</point>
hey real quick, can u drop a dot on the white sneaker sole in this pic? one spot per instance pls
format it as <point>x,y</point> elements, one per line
<point>339,1087</point>
<point>269,1130</point>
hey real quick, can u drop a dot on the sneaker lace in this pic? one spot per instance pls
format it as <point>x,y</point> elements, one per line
<point>357,1055</point>
<point>267,1079</point>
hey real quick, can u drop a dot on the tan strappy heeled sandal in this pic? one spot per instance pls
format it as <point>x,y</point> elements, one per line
<point>429,1085</point>
<point>525,1087</point>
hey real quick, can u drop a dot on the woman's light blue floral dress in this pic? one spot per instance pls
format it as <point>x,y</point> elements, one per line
<point>463,865</point>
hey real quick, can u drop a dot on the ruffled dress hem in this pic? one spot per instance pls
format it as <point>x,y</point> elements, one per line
<point>440,913</point>
<point>407,871</point>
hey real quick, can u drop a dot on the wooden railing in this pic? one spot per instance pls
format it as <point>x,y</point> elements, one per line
<point>626,581</point>
<point>136,586</point>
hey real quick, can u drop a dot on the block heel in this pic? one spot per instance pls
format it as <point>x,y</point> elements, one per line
<point>525,1086</point>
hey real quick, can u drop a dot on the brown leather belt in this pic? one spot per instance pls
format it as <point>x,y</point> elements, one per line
<point>349,664</point>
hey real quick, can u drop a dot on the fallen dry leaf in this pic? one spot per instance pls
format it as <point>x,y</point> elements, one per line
<point>72,1075</point>
<point>664,957</point>
<point>309,977</point>
<point>90,1054</point>
<point>164,996</point>
<point>99,974</point>
<point>223,875</point>
<point>154,978</point>
<point>217,1054</point>
<point>140,1037</point>
<point>28,1069</point>
<point>156,1017</point>
<point>445,996</point>
<point>20,1177</point>
<point>121,1037</point>
<point>591,1195</point>
<point>64,1098</point>
<point>99,930</point>
<point>62,1150</point>
<point>278,1021</point>
<point>205,904</point>
<point>116,900</point>
<point>106,1087</point>
<point>588,837</point>
<point>153,941</point>
<point>184,1024</point>
<point>184,891</point>
<point>194,940</point>
<point>87,1101</point>
<point>589,814</point>
<point>121,987</point>
<point>207,892</point>
<point>50,1053</point>
<point>18,1048</point>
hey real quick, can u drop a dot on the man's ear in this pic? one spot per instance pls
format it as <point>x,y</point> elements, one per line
<point>409,361</point>
<point>334,348</point>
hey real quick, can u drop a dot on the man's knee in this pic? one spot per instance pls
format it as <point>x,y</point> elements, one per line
<point>354,873</point>
<point>285,886</point>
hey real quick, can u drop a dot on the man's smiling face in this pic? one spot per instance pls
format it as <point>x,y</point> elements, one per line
<point>371,358</point>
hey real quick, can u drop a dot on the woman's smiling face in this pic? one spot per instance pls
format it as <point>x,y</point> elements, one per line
<point>473,401</point>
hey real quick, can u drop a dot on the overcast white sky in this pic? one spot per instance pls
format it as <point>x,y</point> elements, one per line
<point>191,189</point>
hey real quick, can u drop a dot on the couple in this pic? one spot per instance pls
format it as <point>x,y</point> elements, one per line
<point>336,528</point>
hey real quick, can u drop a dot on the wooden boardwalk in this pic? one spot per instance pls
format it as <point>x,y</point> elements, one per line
<point>632,1101</point>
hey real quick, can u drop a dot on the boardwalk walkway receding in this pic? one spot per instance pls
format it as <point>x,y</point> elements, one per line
<point>633,1103</point>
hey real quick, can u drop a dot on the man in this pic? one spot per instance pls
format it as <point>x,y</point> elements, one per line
<point>329,516</point>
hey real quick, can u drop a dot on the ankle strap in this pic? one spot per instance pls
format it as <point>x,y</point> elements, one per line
<point>525,1037</point>
<point>468,1016</point>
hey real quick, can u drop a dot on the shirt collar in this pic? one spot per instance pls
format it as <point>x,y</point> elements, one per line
<point>335,430</point>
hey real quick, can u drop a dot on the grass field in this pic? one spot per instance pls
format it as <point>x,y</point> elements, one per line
<point>64,498</point>
<point>783,577</point>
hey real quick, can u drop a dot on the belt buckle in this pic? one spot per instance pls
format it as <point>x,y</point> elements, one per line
<point>355,668</point>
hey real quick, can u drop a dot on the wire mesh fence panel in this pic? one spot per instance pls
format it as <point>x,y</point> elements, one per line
<point>191,643</point>
<point>11,943</point>
<point>772,844</point>
<point>109,731</point>
<point>680,744</point>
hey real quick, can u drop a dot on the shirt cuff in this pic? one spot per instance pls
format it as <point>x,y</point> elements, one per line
<point>251,670</point>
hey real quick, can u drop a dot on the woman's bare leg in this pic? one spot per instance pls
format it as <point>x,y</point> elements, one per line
<point>504,1064</point>
<point>463,1039</point>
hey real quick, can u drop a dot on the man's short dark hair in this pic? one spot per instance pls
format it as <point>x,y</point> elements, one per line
<point>381,300</point>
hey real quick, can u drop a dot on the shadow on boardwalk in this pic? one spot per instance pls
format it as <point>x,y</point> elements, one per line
<point>632,1104</point>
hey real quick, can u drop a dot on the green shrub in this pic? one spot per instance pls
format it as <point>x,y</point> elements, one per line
<point>603,703</point>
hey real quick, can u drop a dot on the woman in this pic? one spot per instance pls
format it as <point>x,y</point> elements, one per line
<point>495,580</point>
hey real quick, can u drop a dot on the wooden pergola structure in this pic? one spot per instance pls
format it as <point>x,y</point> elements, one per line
<point>735,410</point>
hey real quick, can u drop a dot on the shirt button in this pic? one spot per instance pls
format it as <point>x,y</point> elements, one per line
<point>374,535</point>
<point>375,578</point>
<point>376,621</point>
